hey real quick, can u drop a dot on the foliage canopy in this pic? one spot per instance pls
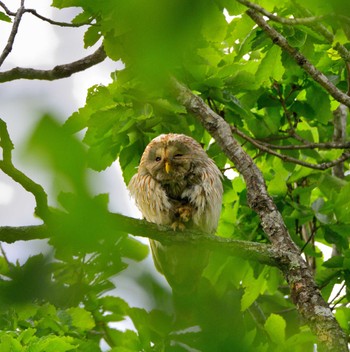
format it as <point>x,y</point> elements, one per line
<point>286,100</point>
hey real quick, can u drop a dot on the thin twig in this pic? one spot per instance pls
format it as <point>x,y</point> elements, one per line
<point>43,18</point>
<point>12,36</point>
<point>292,126</point>
<point>312,235</point>
<point>9,169</point>
<point>337,295</point>
<point>6,9</point>
<point>320,28</point>
<point>55,23</point>
<point>58,72</point>
<point>263,147</point>
<point>329,145</point>
<point>283,20</point>
<point>311,21</point>
<point>299,58</point>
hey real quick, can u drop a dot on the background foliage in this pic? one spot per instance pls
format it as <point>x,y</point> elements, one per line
<point>288,124</point>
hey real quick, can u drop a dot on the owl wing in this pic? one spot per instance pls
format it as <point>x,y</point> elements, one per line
<point>151,199</point>
<point>206,197</point>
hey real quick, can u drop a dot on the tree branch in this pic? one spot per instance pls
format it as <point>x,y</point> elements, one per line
<point>43,18</point>
<point>283,20</point>
<point>267,148</point>
<point>320,28</point>
<point>304,291</point>
<point>53,22</point>
<point>10,41</point>
<point>7,10</point>
<point>299,58</point>
<point>58,72</point>
<point>262,253</point>
<point>326,145</point>
<point>9,169</point>
<point>311,21</point>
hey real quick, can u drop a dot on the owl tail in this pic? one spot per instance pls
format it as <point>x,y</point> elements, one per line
<point>181,264</point>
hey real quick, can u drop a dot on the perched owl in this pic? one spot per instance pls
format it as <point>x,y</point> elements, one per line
<point>177,184</point>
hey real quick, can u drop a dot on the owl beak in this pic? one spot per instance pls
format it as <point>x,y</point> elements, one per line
<point>167,167</point>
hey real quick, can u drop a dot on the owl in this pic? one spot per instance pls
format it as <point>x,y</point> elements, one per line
<point>178,185</point>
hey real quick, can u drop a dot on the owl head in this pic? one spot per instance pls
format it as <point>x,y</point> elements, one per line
<point>170,157</point>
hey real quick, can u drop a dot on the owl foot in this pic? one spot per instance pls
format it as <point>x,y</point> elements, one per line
<point>184,213</point>
<point>178,226</point>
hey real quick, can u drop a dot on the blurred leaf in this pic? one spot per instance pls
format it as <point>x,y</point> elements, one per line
<point>64,154</point>
<point>343,317</point>
<point>334,262</point>
<point>134,249</point>
<point>275,326</point>
<point>81,318</point>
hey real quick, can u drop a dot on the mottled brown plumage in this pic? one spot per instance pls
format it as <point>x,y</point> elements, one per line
<point>177,184</point>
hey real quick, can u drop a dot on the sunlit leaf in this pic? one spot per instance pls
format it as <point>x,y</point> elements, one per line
<point>275,326</point>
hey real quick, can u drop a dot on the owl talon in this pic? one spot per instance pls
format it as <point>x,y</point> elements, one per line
<point>178,226</point>
<point>184,213</point>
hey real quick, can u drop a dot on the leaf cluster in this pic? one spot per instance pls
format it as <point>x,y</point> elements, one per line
<point>259,89</point>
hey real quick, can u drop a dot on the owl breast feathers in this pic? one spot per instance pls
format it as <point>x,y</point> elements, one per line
<point>177,184</point>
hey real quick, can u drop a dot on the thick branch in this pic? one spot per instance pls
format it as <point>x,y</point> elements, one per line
<point>262,253</point>
<point>58,72</point>
<point>299,58</point>
<point>9,234</point>
<point>304,291</point>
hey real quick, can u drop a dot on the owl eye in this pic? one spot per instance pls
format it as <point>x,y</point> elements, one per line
<point>178,155</point>
<point>158,158</point>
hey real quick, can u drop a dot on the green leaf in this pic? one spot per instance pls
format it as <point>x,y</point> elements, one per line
<point>134,249</point>
<point>342,315</point>
<point>342,205</point>
<point>126,341</point>
<point>329,184</point>
<point>270,68</point>
<point>216,28</point>
<point>114,304</point>
<point>253,288</point>
<point>82,17</point>
<point>27,336</point>
<point>60,151</point>
<point>318,99</point>
<point>66,3</point>
<point>275,326</point>
<point>81,318</point>
<point>4,17</point>
<point>298,38</point>
<point>10,344</point>
<point>278,184</point>
<point>52,343</point>
<point>334,262</point>
<point>91,36</point>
